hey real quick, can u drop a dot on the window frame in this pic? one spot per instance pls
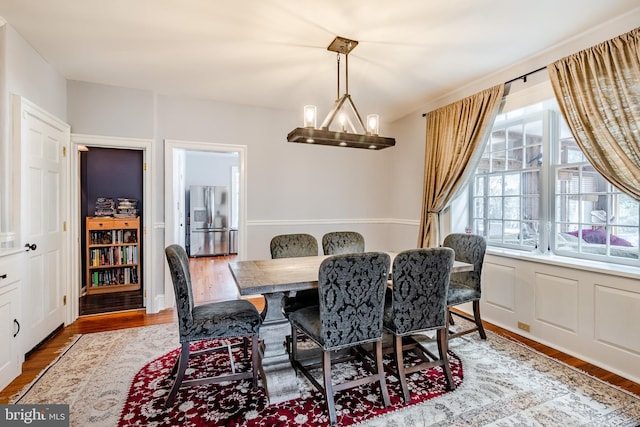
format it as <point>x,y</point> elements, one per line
<point>549,194</point>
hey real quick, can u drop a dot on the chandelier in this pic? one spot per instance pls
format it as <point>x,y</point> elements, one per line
<point>349,130</point>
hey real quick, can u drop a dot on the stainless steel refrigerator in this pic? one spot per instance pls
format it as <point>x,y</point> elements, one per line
<point>208,222</point>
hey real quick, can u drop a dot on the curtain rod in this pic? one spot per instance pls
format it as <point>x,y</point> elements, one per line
<point>523,77</point>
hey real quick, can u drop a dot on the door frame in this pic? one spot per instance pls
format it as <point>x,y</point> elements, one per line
<point>78,141</point>
<point>171,225</point>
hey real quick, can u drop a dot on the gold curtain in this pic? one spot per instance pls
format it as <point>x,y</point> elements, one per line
<point>598,90</point>
<point>455,134</point>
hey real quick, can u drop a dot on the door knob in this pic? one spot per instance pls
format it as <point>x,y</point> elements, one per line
<point>31,246</point>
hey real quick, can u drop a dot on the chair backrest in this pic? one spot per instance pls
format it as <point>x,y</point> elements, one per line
<point>468,248</point>
<point>181,277</point>
<point>420,287</point>
<point>342,242</point>
<point>293,245</point>
<point>352,289</point>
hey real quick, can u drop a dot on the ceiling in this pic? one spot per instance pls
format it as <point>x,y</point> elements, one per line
<point>273,53</point>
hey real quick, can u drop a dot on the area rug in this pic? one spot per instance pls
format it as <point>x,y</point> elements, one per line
<point>237,404</point>
<point>505,384</point>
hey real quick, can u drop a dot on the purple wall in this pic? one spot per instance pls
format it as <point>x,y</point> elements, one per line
<point>112,173</point>
<point>109,172</point>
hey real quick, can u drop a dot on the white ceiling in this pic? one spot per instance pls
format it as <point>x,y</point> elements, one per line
<point>272,53</point>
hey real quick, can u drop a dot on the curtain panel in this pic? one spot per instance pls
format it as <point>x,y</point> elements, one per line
<point>455,134</point>
<point>598,90</point>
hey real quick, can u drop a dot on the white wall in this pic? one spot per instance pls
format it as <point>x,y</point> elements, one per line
<point>95,109</point>
<point>23,72</point>
<point>206,168</point>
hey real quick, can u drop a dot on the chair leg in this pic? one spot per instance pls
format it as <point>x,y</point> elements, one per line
<point>293,354</point>
<point>443,347</point>
<point>328,386</point>
<point>451,322</point>
<point>183,361</point>
<point>245,347</point>
<point>380,373</point>
<point>397,346</point>
<point>254,359</point>
<point>476,316</point>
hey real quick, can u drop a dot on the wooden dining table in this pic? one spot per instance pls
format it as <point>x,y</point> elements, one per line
<point>275,278</point>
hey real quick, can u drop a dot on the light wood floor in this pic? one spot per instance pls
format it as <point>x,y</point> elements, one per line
<point>212,281</point>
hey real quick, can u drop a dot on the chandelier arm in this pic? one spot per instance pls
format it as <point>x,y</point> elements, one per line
<point>355,110</point>
<point>332,114</point>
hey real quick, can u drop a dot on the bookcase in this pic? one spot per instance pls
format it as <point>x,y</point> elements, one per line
<point>113,253</point>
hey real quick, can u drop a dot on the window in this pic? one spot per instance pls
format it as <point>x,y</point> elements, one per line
<point>535,191</point>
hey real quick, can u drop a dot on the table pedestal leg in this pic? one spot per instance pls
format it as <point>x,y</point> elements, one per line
<point>278,375</point>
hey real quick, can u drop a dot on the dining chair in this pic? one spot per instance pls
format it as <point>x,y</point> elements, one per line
<point>418,304</point>
<point>342,242</point>
<point>466,286</point>
<point>351,289</point>
<point>291,246</point>
<point>214,320</point>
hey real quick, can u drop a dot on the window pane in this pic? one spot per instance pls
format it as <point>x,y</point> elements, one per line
<point>511,184</point>
<point>483,166</point>
<point>531,182</point>
<point>530,209</point>
<point>495,185</point>
<point>512,208</point>
<point>480,182</point>
<point>478,210</point>
<point>626,210</point>
<point>497,142</point>
<point>495,231</point>
<point>514,159</point>
<point>569,152</point>
<point>515,136</point>
<point>495,208</point>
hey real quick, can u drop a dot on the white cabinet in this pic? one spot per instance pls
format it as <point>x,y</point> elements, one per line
<point>11,356</point>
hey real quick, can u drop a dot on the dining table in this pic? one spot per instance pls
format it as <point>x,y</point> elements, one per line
<point>273,279</point>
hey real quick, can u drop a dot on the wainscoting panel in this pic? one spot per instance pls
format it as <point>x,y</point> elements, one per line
<point>499,285</point>
<point>589,309</point>
<point>616,318</point>
<point>556,301</point>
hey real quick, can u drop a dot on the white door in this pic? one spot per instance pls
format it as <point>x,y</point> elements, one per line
<point>179,190</point>
<point>42,144</point>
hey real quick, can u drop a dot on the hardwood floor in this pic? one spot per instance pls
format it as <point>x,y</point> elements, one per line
<point>109,302</point>
<point>212,281</point>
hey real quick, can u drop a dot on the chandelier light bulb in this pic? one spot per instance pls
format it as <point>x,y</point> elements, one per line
<point>372,124</point>
<point>310,116</point>
<point>343,121</point>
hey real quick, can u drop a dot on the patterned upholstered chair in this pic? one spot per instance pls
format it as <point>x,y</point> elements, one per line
<point>291,246</point>
<point>224,319</point>
<point>352,289</point>
<point>466,287</point>
<point>342,242</point>
<point>418,304</point>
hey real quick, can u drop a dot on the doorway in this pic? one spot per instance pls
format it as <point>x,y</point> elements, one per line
<point>111,186</point>
<point>177,155</point>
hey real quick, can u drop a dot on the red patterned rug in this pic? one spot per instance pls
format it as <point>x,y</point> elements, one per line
<point>237,404</point>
